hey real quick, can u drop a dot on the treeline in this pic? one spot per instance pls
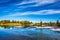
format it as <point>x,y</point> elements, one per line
<point>6,23</point>
<point>43,24</point>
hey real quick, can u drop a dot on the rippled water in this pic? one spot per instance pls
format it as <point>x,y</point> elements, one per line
<point>28,34</point>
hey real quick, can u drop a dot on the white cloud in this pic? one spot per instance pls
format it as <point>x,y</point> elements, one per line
<point>24,3</point>
<point>42,12</point>
<point>42,2</point>
<point>38,2</point>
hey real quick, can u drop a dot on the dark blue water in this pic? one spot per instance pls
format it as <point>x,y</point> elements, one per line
<point>28,34</point>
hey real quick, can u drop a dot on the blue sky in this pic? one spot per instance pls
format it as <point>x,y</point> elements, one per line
<point>32,10</point>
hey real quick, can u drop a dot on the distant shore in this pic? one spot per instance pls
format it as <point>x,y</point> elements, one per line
<point>7,23</point>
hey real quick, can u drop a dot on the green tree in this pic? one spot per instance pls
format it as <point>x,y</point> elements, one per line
<point>41,23</point>
<point>57,23</point>
<point>26,23</point>
<point>50,23</point>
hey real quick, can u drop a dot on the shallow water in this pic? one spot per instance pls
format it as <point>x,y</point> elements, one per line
<point>28,34</point>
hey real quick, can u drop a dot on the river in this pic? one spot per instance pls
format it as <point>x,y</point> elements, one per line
<point>28,34</point>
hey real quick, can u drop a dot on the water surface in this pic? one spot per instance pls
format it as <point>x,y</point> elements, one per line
<point>28,34</point>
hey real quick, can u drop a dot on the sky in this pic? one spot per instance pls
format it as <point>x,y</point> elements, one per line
<point>31,10</point>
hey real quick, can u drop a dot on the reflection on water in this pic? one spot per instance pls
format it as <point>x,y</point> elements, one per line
<point>28,34</point>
